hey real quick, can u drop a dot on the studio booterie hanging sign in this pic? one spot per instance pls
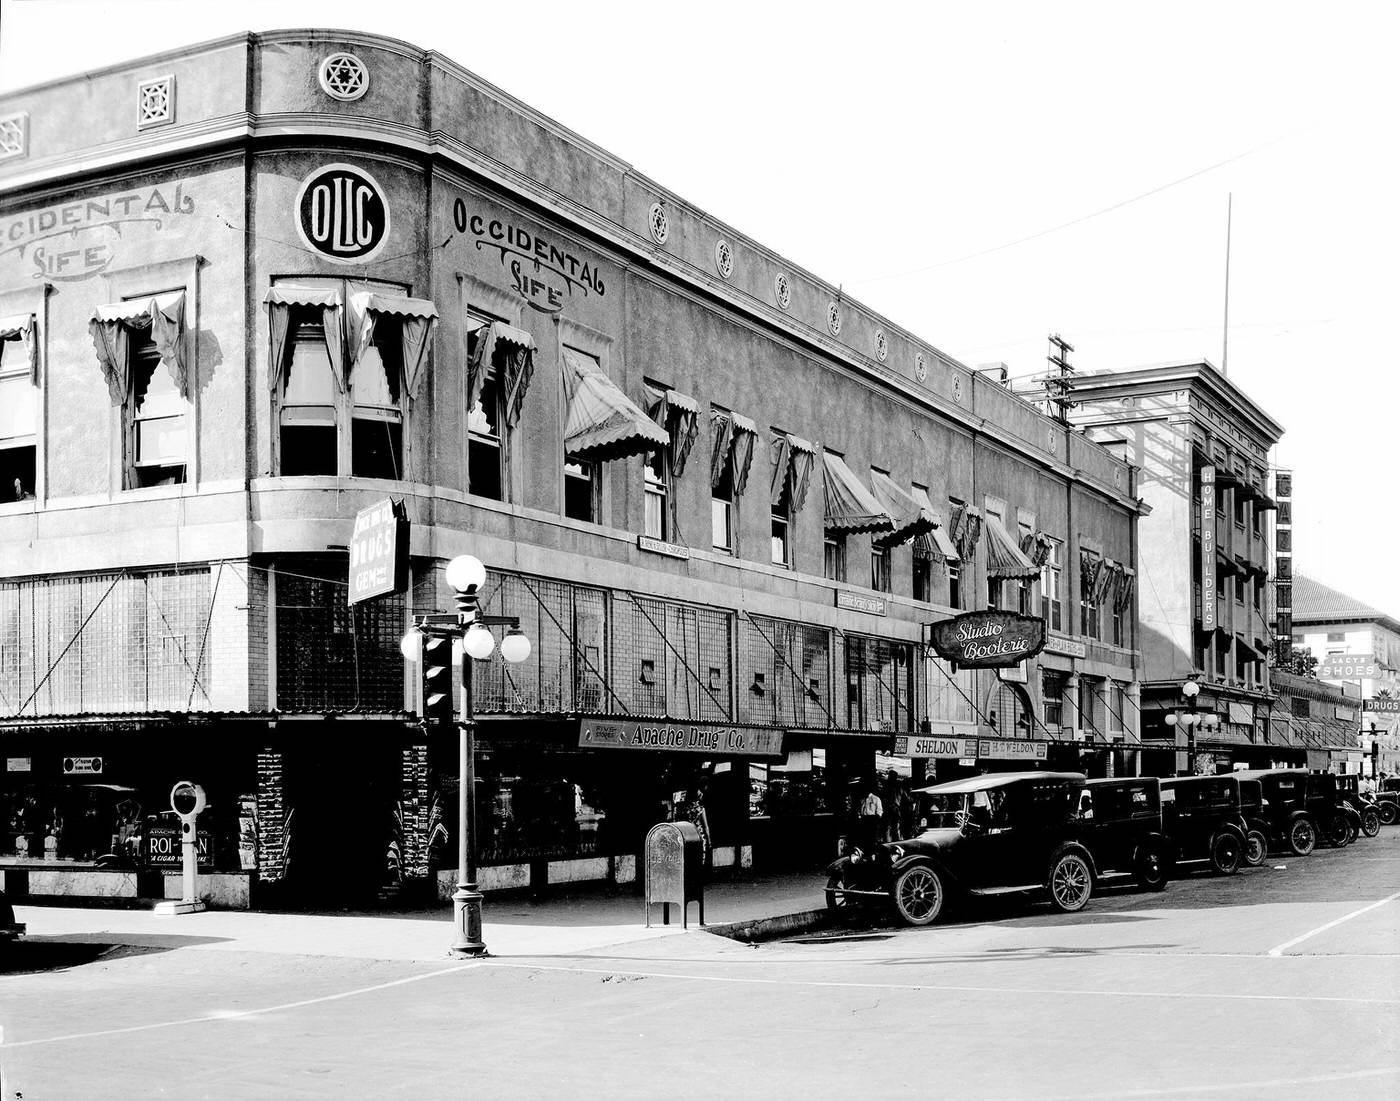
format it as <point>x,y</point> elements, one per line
<point>341,212</point>
<point>982,640</point>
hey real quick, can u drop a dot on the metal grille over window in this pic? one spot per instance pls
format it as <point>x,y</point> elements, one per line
<point>332,656</point>
<point>344,76</point>
<point>785,673</point>
<point>155,101</point>
<point>671,660</point>
<point>58,638</point>
<point>734,437</point>
<point>14,135</point>
<point>850,507</point>
<point>878,683</point>
<point>603,423</point>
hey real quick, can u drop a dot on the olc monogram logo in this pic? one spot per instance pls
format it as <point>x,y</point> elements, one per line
<point>341,213</point>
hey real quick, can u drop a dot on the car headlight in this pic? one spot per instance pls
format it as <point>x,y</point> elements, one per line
<point>897,853</point>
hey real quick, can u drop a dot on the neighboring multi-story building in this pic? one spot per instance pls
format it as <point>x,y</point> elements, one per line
<point>259,284</point>
<point>1205,560</point>
<point>1331,624</point>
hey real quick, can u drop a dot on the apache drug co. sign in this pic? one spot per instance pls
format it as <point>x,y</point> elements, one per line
<point>983,640</point>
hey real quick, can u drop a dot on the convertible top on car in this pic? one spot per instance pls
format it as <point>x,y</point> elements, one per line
<point>995,780</point>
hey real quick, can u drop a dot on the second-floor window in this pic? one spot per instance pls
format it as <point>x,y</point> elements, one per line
<point>834,557</point>
<point>581,487</point>
<point>656,477</point>
<point>880,569</point>
<point>1051,608</point>
<point>18,407</point>
<point>955,599</point>
<point>485,421</point>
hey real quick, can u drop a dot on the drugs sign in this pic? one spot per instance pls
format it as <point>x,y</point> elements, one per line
<point>379,551</point>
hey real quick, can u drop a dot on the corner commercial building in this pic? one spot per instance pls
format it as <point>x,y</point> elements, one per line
<point>253,286</point>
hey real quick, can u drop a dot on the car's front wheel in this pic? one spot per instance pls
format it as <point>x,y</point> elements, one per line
<point>1256,848</point>
<point>1071,883</point>
<point>919,895</point>
<point>1302,838</point>
<point>835,897</point>
<point>1370,822</point>
<point>1226,852</point>
<point>1389,812</point>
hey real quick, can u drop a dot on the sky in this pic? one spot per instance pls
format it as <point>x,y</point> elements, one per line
<point>985,175</point>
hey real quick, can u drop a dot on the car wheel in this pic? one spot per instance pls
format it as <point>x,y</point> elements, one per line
<point>1336,833</point>
<point>1071,883</point>
<point>1370,822</point>
<point>1226,852</point>
<point>918,895</point>
<point>1256,848</point>
<point>1389,812</point>
<point>1302,838</point>
<point>835,900</point>
<point>1152,868</point>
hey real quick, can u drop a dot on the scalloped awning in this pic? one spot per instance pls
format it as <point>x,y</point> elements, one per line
<point>850,507</point>
<point>603,423</point>
<point>911,518</point>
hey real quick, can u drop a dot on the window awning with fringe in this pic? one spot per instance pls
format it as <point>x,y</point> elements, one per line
<point>911,518</point>
<point>678,415</point>
<point>1036,546</point>
<point>602,422</point>
<point>734,437</point>
<point>966,530</point>
<point>417,317</point>
<point>1091,564</point>
<point>935,543</point>
<point>850,507</point>
<point>279,301</point>
<point>511,353</point>
<point>1123,596</point>
<point>22,329</point>
<point>792,470</point>
<point>1004,557</point>
<point>164,315</point>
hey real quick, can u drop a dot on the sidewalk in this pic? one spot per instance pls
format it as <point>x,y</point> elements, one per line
<point>512,925</point>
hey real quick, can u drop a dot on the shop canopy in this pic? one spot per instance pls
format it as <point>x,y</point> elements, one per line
<point>850,507</point>
<point>792,470</point>
<point>935,542</point>
<point>602,422</point>
<point>280,300</point>
<point>110,328</point>
<point>20,328</point>
<point>1004,556</point>
<point>911,518</point>
<point>510,352</point>
<point>417,318</point>
<point>678,415</point>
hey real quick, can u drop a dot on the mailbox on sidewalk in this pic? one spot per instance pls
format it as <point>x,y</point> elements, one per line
<point>675,869</point>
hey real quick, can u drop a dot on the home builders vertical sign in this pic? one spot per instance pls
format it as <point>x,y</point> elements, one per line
<point>1209,620</point>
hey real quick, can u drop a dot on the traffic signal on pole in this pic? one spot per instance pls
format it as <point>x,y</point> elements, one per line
<point>439,699</point>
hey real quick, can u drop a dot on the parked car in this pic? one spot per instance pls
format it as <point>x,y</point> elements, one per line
<point>1008,833</point>
<point>1369,814</point>
<point>1256,849</point>
<point>1290,822</point>
<point>1388,800</point>
<point>1204,820</point>
<point>10,929</point>
<point>1337,823</point>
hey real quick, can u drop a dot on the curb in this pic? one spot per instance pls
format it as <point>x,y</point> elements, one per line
<point>770,928</point>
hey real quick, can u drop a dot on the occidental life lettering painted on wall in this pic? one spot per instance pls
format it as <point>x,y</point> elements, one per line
<point>542,270</point>
<point>78,240</point>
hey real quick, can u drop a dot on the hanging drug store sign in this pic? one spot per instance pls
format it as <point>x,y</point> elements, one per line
<point>1209,622</point>
<point>738,741</point>
<point>341,212</point>
<point>379,551</point>
<point>982,640</point>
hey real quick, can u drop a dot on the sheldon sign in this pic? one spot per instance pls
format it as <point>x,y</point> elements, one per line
<point>983,640</point>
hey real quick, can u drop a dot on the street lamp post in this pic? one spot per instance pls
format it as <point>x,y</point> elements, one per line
<point>1192,720</point>
<point>466,575</point>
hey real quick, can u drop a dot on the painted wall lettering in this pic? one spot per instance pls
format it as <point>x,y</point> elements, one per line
<point>341,212</point>
<point>542,272</point>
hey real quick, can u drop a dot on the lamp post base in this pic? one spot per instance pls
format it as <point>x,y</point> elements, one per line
<point>466,919</point>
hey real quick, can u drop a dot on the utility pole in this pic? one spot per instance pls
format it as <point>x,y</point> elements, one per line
<point>1058,383</point>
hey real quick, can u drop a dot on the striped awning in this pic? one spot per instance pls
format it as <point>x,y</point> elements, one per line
<point>793,458</point>
<point>850,507</point>
<point>678,414</point>
<point>511,353</point>
<point>164,315</point>
<point>1004,557</point>
<point>603,423</point>
<point>934,543</point>
<point>911,518</point>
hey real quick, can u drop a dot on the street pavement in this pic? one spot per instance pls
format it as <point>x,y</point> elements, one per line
<point>1280,982</point>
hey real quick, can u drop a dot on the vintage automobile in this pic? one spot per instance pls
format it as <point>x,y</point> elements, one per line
<point>1287,815</point>
<point>10,929</point>
<point>1256,848</point>
<point>1388,800</point>
<point>1204,820</point>
<point>1337,823</point>
<point>1008,833</point>
<point>1369,814</point>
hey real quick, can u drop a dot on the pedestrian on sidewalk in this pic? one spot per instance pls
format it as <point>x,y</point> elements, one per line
<point>872,812</point>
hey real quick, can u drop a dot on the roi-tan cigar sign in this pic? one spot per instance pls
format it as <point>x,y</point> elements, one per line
<point>983,640</point>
